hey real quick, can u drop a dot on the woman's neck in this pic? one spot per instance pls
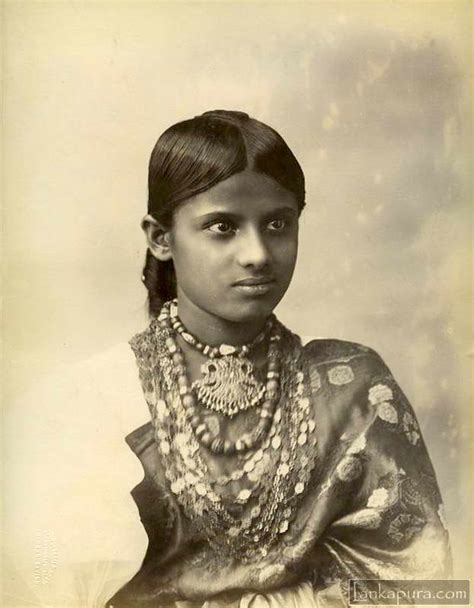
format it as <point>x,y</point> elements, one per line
<point>213,330</point>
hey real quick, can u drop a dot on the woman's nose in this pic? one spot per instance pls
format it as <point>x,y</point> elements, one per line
<point>253,250</point>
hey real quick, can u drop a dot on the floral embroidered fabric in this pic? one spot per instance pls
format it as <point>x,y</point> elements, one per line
<point>342,487</point>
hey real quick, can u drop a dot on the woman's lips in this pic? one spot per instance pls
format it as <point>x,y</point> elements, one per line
<point>254,285</point>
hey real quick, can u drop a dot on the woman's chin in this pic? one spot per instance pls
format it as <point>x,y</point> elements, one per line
<point>252,310</point>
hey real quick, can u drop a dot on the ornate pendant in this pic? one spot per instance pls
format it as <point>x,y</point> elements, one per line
<point>228,385</point>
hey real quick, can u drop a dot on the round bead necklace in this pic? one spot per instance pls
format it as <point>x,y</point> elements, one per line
<point>215,351</point>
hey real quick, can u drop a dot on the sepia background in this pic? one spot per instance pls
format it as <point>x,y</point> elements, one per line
<point>373,98</point>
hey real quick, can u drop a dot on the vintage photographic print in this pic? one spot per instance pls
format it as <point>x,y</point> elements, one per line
<point>237,289</point>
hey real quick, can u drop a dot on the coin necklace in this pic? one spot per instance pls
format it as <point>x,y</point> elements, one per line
<point>278,470</point>
<point>270,393</point>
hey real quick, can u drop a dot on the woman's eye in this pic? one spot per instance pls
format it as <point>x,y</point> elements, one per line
<point>221,228</point>
<point>277,225</point>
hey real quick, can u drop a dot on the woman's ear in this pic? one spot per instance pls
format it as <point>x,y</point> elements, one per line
<point>157,237</point>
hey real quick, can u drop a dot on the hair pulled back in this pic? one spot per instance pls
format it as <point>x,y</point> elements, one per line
<point>194,155</point>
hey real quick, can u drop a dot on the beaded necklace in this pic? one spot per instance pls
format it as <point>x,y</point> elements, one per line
<point>221,383</point>
<point>272,476</point>
<point>228,384</point>
<point>170,310</point>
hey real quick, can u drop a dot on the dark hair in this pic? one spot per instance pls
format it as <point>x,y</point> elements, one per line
<point>194,155</point>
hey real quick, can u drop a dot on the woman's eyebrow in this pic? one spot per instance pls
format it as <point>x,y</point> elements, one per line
<point>285,211</point>
<point>217,215</point>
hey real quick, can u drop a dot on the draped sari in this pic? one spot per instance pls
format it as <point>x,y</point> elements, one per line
<point>362,502</point>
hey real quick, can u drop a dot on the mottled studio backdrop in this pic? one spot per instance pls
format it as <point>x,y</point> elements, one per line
<point>373,99</point>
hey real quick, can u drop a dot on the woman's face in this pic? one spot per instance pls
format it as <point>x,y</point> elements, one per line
<point>234,248</point>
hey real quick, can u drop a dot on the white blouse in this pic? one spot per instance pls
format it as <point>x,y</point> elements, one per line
<point>73,533</point>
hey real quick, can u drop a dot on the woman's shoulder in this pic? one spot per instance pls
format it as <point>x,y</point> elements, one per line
<point>333,347</point>
<point>99,390</point>
<point>334,352</point>
<point>112,368</point>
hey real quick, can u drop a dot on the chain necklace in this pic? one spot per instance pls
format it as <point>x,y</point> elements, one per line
<point>272,477</point>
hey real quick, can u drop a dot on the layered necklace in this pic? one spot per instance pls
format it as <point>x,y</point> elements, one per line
<point>228,385</point>
<point>272,462</point>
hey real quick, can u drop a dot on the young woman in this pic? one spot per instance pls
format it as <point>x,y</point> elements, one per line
<point>275,472</point>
